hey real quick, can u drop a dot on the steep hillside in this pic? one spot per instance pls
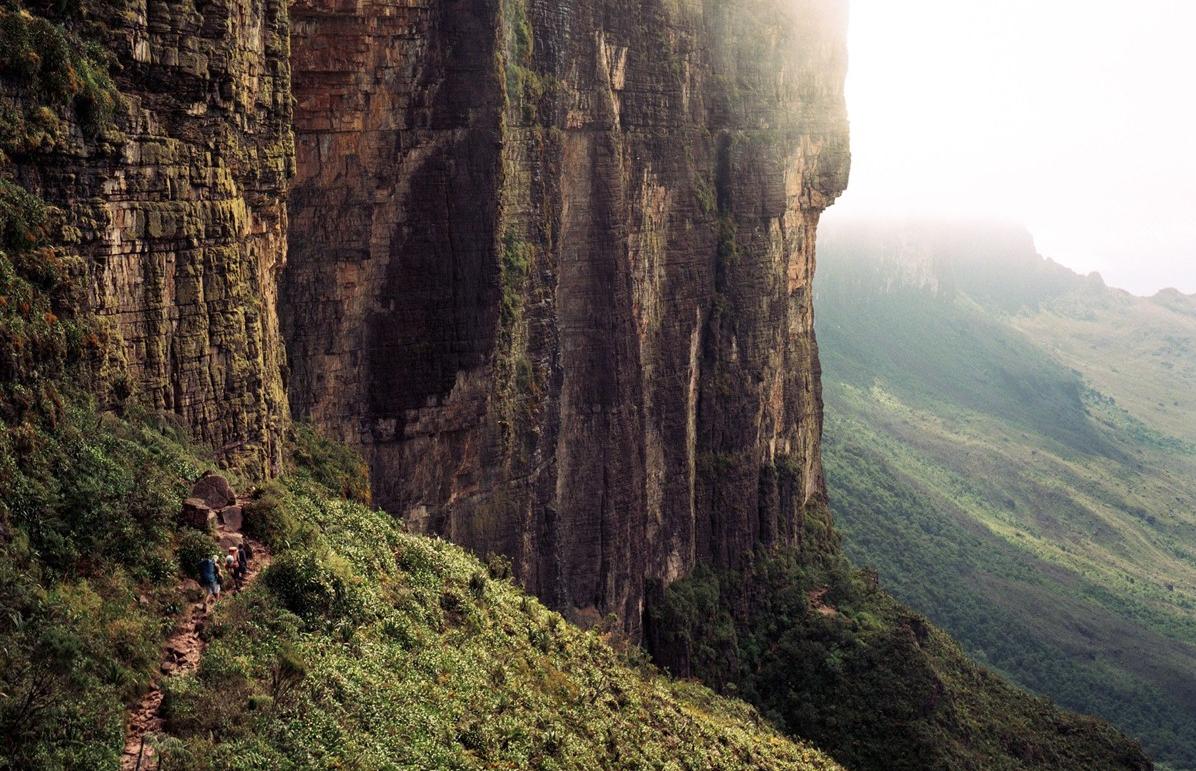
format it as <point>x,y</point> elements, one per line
<point>1007,444</point>
<point>827,655</point>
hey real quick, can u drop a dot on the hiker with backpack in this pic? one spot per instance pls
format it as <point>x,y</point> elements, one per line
<point>230,565</point>
<point>242,568</point>
<point>209,576</point>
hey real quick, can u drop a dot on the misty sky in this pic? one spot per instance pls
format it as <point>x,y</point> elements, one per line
<point>1076,118</point>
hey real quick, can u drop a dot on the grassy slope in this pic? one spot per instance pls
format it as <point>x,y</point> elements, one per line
<point>1141,350</point>
<point>417,655</point>
<point>1049,526</point>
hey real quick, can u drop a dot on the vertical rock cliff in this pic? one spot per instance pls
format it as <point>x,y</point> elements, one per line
<point>171,174</point>
<point>551,272</point>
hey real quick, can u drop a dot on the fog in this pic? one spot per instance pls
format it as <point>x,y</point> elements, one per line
<point>1076,118</point>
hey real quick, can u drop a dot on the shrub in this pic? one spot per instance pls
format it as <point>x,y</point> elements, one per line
<point>193,546</point>
<point>319,589</point>
<point>477,585</point>
<point>51,64</point>
<point>499,567</point>
<point>69,653</point>
<point>287,672</point>
<point>268,520</point>
<point>214,701</point>
<point>334,466</point>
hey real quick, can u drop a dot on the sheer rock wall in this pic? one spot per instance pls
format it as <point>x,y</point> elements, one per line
<point>178,205</point>
<point>551,272</point>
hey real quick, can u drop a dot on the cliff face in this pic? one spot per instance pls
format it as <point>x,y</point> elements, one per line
<point>550,270</point>
<point>172,179</point>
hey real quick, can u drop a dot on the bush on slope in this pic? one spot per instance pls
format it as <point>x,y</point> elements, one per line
<point>831,658</point>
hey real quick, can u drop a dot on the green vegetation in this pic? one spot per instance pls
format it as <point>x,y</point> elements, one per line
<point>728,246</point>
<point>87,577</point>
<point>1140,352</point>
<point>515,376</point>
<point>524,86</point>
<point>333,466</point>
<point>362,645</point>
<point>54,71</point>
<point>41,340</point>
<point>971,459</point>
<point>829,657</point>
<point>513,270</point>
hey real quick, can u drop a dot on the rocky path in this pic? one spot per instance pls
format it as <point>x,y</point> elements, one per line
<point>184,647</point>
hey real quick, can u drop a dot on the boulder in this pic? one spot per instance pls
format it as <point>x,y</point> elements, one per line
<point>229,539</point>
<point>230,518</point>
<point>197,513</point>
<point>214,490</point>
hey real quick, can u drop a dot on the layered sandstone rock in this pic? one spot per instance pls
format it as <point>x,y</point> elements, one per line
<point>178,204</point>
<point>550,270</point>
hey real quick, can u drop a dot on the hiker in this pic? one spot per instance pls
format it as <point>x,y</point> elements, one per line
<point>242,564</point>
<point>230,565</point>
<point>209,577</point>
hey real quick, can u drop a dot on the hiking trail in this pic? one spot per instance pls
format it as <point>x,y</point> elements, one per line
<point>182,650</point>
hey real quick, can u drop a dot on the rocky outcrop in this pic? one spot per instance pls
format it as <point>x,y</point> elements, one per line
<point>196,513</point>
<point>173,192</point>
<point>550,271</point>
<point>214,490</point>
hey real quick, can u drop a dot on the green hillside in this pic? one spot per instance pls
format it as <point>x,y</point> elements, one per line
<point>411,653</point>
<point>828,655</point>
<point>1012,447</point>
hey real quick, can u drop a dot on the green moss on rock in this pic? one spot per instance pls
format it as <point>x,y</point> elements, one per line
<point>55,71</point>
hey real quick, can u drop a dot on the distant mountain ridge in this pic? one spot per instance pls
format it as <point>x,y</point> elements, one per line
<point>1013,446</point>
<point>994,263</point>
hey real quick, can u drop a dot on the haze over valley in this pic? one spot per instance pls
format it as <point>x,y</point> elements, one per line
<point>1013,446</point>
<point>1072,118</point>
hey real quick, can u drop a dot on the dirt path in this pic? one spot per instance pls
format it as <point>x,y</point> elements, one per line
<point>180,655</point>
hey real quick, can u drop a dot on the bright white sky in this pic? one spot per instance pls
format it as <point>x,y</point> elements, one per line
<point>1076,118</point>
